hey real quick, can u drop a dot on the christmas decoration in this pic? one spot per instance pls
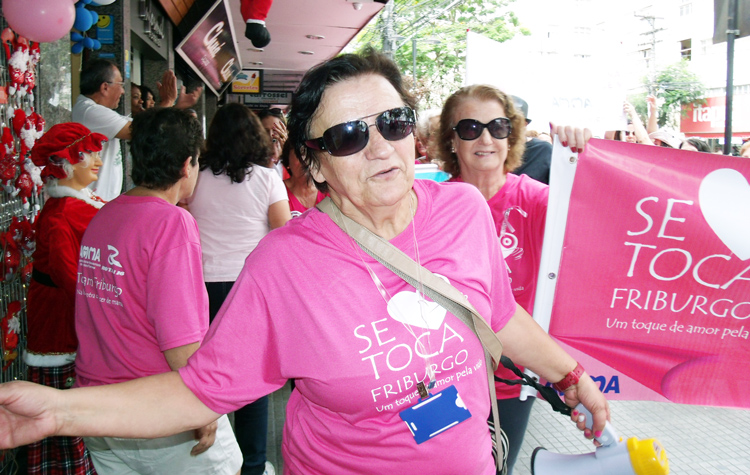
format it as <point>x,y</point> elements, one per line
<point>18,63</point>
<point>22,61</point>
<point>22,232</point>
<point>11,257</point>
<point>28,184</point>
<point>254,13</point>
<point>8,160</point>
<point>10,328</point>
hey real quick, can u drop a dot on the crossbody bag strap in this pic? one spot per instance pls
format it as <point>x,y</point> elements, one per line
<point>438,290</point>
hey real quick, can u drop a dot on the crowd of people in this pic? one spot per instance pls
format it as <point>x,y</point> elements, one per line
<point>215,280</point>
<point>652,134</point>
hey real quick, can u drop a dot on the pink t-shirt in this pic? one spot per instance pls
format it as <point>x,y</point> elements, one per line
<point>519,210</point>
<point>356,359</point>
<point>140,290</point>
<point>296,206</point>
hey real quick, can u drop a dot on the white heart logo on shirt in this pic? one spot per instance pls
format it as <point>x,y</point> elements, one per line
<point>724,198</point>
<point>413,310</point>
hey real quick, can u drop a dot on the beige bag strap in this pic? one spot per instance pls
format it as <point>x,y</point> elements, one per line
<point>405,267</point>
<point>436,288</point>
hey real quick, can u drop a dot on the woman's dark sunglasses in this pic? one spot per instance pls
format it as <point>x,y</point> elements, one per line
<point>470,129</point>
<point>351,137</point>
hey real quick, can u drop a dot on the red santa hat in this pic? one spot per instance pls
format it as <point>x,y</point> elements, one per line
<point>62,143</point>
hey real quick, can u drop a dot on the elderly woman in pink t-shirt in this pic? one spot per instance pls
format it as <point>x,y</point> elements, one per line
<point>481,140</point>
<point>361,343</point>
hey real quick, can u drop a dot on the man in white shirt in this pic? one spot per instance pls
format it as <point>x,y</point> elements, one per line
<point>102,87</point>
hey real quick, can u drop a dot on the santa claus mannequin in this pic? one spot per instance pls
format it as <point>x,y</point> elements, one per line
<point>69,155</point>
<point>254,12</point>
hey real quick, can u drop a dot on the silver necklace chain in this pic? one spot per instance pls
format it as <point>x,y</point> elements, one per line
<point>425,352</point>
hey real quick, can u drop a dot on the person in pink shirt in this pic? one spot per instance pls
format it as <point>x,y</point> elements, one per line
<point>357,338</point>
<point>481,141</point>
<point>141,305</point>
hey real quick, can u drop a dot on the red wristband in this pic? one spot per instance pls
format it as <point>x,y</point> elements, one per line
<point>570,379</point>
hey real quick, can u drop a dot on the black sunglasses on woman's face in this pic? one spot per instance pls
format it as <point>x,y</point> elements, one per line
<point>471,129</point>
<point>351,137</point>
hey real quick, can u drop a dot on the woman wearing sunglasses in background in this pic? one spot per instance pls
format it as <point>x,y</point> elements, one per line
<point>627,135</point>
<point>482,139</point>
<point>356,338</point>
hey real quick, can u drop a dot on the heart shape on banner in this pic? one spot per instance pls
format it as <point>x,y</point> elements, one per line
<point>404,307</point>
<point>724,198</point>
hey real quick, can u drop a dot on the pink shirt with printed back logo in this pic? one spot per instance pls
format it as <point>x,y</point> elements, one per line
<point>140,290</point>
<point>356,359</point>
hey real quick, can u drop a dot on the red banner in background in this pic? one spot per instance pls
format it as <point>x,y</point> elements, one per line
<point>653,291</point>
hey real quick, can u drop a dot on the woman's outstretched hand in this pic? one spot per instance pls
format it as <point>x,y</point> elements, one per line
<point>26,413</point>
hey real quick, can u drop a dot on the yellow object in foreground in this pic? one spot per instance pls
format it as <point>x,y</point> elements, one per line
<point>648,457</point>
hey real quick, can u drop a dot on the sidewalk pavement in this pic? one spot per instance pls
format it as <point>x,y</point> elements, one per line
<point>698,440</point>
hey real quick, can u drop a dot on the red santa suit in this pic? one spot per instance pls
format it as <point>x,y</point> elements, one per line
<point>50,308</point>
<point>51,339</point>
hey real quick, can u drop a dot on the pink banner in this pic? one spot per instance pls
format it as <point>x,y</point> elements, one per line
<point>653,293</point>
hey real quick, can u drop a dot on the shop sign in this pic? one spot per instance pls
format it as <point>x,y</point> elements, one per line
<point>269,98</point>
<point>707,120</point>
<point>105,30</point>
<point>153,22</point>
<point>249,81</point>
<point>210,48</point>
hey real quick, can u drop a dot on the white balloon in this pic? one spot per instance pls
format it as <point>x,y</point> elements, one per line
<point>103,2</point>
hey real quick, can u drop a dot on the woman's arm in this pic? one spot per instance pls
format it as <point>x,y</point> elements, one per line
<point>155,406</point>
<point>279,214</point>
<point>527,344</point>
<point>640,131</point>
<point>653,114</point>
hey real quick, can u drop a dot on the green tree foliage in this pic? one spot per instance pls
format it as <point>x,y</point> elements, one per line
<point>676,85</point>
<point>440,28</point>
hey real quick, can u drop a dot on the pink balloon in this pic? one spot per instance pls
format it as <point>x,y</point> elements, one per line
<point>43,21</point>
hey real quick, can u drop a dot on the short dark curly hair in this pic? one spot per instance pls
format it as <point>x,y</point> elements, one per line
<point>163,138</point>
<point>315,82</point>
<point>443,146</point>
<point>236,141</point>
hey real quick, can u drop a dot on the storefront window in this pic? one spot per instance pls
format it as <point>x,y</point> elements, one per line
<point>54,87</point>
